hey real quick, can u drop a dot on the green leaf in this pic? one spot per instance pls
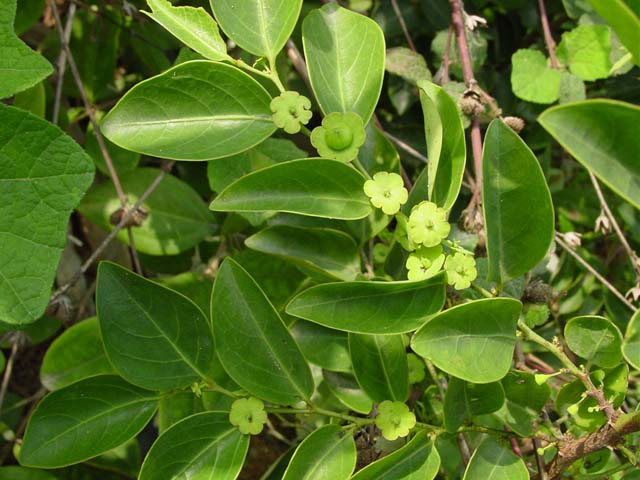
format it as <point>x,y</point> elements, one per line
<point>75,355</point>
<point>153,336</point>
<point>524,400</point>
<point>495,461</point>
<point>178,406</point>
<point>33,100</point>
<point>465,400</point>
<point>124,161</point>
<point>406,63</point>
<point>475,351</point>
<point>378,153</point>
<point>380,365</point>
<point>254,346</point>
<point>602,136</point>
<point>197,110</point>
<point>595,339</point>
<point>417,460</point>
<point>22,473</point>
<point>20,67</point>
<point>261,27</point>
<point>532,79</point>
<point>204,445</point>
<point>631,342</point>
<point>325,251</point>
<point>329,453</point>
<point>572,88</point>
<point>192,26</point>
<point>518,213</point>
<point>371,307</point>
<point>309,186</point>
<point>323,346</point>
<point>446,145</point>
<point>345,53</point>
<point>346,389</point>
<point>43,176</point>
<point>587,49</point>
<point>85,419</point>
<point>178,217</point>
<point>624,17</point>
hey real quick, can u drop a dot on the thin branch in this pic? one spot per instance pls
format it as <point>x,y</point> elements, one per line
<point>403,25</point>
<point>548,38</point>
<point>124,221</point>
<point>542,469</point>
<point>446,58</point>
<point>594,272</point>
<point>62,64</point>
<point>8,370</point>
<point>298,63</point>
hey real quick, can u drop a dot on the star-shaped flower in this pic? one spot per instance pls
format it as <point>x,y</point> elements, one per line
<point>248,415</point>
<point>424,262</point>
<point>339,137</point>
<point>461,270</point>
<point>427,224</point>
<point>387,192</point>
<point>394,419</point>
<point>290,111</point>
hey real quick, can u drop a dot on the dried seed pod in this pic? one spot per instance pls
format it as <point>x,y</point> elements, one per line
<point>515,123</point>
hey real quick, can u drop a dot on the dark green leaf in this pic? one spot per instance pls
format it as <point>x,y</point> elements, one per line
<point>323,346</point>
<point>347,390</point>
<point>496,462</point>
<point>465,400</point>
<point>22,473</point>
<point>176,407</point>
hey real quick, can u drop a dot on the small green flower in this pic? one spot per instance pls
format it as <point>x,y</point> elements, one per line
<point>461,270</point>
<point>290,111</point>
<point>387,192</point>
<point>416,368</point>
<point>428,224</point>
<point>248,415</point>
<point>339,137</point>
<point>394,419</point>
<point>424,262</point>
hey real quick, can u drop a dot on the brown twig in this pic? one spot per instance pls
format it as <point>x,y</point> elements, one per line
<point>548,38</point>
<point>8,371</point>
<point>298,63</point>
<point>62,64</point>
<point>542,470</point>
<point>403,25</point>
<point>443,74</point>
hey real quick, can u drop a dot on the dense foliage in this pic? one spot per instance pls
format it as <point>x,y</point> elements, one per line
<point>365,239</point>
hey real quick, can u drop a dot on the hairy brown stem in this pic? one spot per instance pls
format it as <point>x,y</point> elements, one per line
<point>548,38</point>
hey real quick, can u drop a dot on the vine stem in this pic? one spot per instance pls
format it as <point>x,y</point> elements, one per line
<point>548,38</point>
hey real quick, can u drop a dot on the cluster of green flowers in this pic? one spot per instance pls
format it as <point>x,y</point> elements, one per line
<point>422,233</point>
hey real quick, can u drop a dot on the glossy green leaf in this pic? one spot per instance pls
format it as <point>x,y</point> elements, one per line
<point>43,175</point>
<point>472,350</point>
<point>329,252</point>
<point>261,27</point>
<point>197,110</point>
<point>322,346</point>
<point>518,213</point>
<point>178,219</point>
<point>602,136</point>
<point>153,336</point>
<point>329,453</point>
<point>20,67</point>
<point>84,420</point>
<point>192,26</point>
<point>253,344</point>
<point>194,285</point>
<point>586,49</point>
<point>380,365</point>
<point>178,406</point>
<point>595,339</point>
<point>371,307</point>
<point>446,147</point>
<point>345,53</point>
<point>346,389</point>
<point>631,342</point>
<point>524,400</point>
<point>465,400</point>
<point>201,446</point>
<point>417,460</point>
<point>311,186</point>
<point>76,354</point>
<point>532,79</point>
<point>495,461</point>
<point>22,473</point>
<point>624,17</point>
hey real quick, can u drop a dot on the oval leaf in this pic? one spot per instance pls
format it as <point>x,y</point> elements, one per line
<point>84,420</point>
<point>417,460</point>
<point>494,461</point>
<point>347,390</point>
<point>371,307</point>
<point>446,147</point>
<point>197,110</point>
<point>22,473</point>
<point>631,343</point>
<point>473,341</point>
<point>253,344</point>
<point>465,400</point>
<point>625,21</point>
<point>329,252</point>
<point>325,347</point>
<point>43,177</point>
<point>345,54</point>
<point>602,136</point>
<point>310,186</point>
<point>76,354</point>
<point>261,27</point>
<point>154,337</point>
<point>329,453</point>
<point>380,365</point>
<point>204,445</point>
<point>518,213</point>
<point>595,339</point>
<point>178,217</point>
